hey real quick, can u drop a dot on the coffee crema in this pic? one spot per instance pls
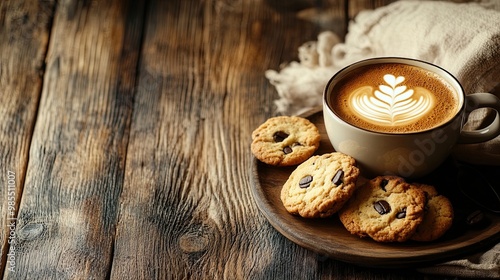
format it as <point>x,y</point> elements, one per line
<point>394,98</point>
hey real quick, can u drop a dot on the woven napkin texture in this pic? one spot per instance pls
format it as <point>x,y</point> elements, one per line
<point>463,38</point>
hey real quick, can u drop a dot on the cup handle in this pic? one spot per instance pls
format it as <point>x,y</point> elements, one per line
<point>476,101</point>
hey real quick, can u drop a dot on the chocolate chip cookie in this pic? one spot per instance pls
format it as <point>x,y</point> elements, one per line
<point>386,208</point>
<point>320,186</point>
<point>438,215</point>
<point>285,141</point>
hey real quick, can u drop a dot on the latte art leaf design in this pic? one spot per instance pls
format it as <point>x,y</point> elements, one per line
<point>392,104</point>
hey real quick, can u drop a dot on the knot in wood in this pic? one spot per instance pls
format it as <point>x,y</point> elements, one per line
<point>193,242</point>
<point>30,231</point>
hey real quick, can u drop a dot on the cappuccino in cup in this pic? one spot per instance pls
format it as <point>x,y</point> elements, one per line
<point>394,98</point>
<point>401,116</point>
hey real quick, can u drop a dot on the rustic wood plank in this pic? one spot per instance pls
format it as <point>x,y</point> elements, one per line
<point>186,207</point>
<point>76,159</point>
<point>326,14</point>
<point>24,33</point>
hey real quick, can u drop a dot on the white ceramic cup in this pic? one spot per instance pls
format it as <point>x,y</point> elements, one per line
<point>409,155</point>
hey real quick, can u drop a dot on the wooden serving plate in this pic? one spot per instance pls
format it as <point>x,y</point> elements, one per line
<point>329,237</point>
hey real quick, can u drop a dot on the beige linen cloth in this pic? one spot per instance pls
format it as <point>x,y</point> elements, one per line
<point>463,38</point>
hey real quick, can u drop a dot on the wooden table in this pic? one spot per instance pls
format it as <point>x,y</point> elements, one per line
<point>125,132</point>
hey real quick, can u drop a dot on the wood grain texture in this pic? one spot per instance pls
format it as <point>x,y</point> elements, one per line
<point>129,123</point>
<point>326,14</point>
<point>200,93</point>
<point>24,33</point>
<point>76,161</point>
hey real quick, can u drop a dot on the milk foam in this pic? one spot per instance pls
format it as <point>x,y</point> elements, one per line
<point>395,98</point>
<point>392,104</point>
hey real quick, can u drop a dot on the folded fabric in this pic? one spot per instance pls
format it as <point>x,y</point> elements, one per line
<point>462,38</point>
<point>300,84</point>
<point>482,265</point>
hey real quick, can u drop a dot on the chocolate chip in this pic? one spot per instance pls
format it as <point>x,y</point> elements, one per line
<point>475,218</point>
<point>382,207</point>
<point>337,179</point>
<point>305,182</point>
<point>401,214</point>
<point>279,136</point>
<point>384,183</point>
<point>287,150</point>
